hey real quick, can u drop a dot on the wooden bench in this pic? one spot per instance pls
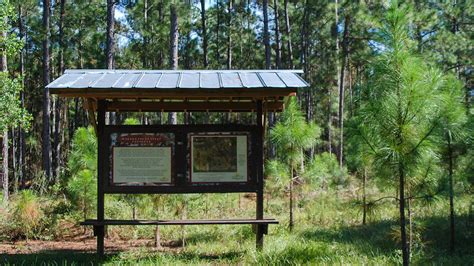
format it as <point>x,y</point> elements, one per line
<point>263,222</point>
<point>177,222</point>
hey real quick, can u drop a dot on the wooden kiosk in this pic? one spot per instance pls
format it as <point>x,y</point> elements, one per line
<point>164,159</point>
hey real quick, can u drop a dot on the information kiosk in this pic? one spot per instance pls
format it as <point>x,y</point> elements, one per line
<point>207,158</point>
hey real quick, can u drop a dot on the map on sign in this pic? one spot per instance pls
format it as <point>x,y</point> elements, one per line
<point>218,158</point>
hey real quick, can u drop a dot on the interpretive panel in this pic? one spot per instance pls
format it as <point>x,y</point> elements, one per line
<point>218,158</point>
<point>180,159</point>
<point>141,158</point>
<point>142,164</point>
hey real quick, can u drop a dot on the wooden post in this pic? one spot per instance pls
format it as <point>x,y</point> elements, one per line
<point>260,228</point>
<point>100,230</point>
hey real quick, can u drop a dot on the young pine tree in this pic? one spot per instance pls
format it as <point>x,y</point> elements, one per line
<point>451,135</point>
<point>82,165</point>
<point>403,108</point>
<point>292,135</point>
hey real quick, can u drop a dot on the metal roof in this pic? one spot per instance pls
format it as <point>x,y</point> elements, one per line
<point>177,79</point>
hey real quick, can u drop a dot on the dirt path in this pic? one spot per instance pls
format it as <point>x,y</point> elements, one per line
<point>81,245</point>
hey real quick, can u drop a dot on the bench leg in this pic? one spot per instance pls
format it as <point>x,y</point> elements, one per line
<point>259,236</point>
<point>100,233</point>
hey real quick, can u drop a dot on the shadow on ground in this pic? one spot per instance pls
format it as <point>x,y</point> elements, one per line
<point>381,238</point>
<point>54,257</point>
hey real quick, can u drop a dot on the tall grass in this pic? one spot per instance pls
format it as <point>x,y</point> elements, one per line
<point>327,231</point>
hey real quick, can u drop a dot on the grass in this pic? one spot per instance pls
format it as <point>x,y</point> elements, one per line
<point>328,231</point>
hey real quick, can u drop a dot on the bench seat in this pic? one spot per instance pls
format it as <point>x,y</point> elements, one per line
<point>95,222</point>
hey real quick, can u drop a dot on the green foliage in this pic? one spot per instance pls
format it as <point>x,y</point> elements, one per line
<point>131,121</point>
<point>324,169</point>
<point>398,125</point>
<point>11,112</point>
<point>278,173</point>
<point>82,186</point>
<point>292,135</point>
<point>9,44</point>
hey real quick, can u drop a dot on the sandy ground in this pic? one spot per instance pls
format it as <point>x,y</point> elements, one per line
<point>82,245</point>
<point>75,238</point>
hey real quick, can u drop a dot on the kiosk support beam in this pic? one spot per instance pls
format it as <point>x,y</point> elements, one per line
<point>99,230</point>
<point>260,228</point>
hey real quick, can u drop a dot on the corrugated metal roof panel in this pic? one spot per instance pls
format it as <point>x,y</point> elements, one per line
<point>231,80</point>
<point>107,80</point>
<point>168,80</point>
<point>127,80</point>
<point>251,80</point>
<point>186,79</point>
<point>84,81</point>
<point>148,80</point>
<point>189,80</point>
<point>65,81</point>
<point>209,80</point>
<point>292,80</point>
<point>272,80</point>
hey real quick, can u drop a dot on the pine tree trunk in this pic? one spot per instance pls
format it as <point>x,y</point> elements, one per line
<point>291,200</point>
<point>110,49</point>
<point>13,160</point>
<point>160,20</point>
<point>451,196</point>
<point>56,139</point>
<point>145,35</point>
<point>336,42</point>
<point>277,36</point>
<point>229,36</point>
<point>4,68</point>
<point>364,197</point>
<point>21,131</point>
<point>61,36</point>
<point>5,166</point>
<point>204,33</point>
<point>351,93</point>
<point>329,123</point>
<point>266,42</point>
<point>288,37</point>
<point>345,56</point>
<point>173,38</point>
<point>266,37</point>
<point>57,101</point>
<point>218,26</point>
<point>410,223</point>
<point>46,97</point>
<point>172,117</point>
<point>403,233</point>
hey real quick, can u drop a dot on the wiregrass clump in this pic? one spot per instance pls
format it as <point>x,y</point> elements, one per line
<point>25,217</point>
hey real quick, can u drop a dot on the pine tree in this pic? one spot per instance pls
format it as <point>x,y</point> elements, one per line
<point>292,135</point>
<point>405,99</point>
<point>46,97</point>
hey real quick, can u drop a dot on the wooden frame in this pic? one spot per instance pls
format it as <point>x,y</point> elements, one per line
<point>181,185</point>
<point>256,186</point>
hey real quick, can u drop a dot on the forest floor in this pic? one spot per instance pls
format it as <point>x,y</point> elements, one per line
<point>327,231</point>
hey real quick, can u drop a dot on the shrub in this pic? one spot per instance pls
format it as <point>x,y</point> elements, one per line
<point>82,165</point>
<point>26,215</point>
